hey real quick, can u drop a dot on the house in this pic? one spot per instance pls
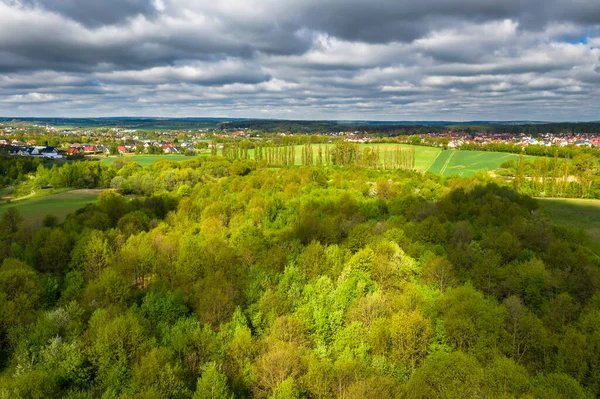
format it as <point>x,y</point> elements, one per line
<point>73,151</point>
<point>580,143</point>
<point>49,152</point>
<point>171,150</point>
<point>122,150</point>
<point>40,151</point>
<point>103,148</point>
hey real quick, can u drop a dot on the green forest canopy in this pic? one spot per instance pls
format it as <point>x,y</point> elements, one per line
<point>221,279</point>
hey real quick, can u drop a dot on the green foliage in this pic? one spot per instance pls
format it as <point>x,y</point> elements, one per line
<point>20,293</point>
<point>225,279</point>
<point>10,221</point>
<point>451,375</point>
<point>212,384</point>
<point>157,375</point>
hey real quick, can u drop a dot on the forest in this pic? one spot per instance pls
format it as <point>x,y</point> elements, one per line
<point>217,278</point>
<point>409,128</point>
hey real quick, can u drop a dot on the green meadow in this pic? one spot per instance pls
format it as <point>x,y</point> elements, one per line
<point>432,159</point>
<point>35,209</point>
<point>466,163</point>
<point>576,213</point>
<point>147,160</point>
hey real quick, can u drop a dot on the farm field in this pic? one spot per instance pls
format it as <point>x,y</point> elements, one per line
<point>466,163</point>
<point>424,155</point>
<point>576,213</point>
<point>59,205</point>
<point>434,160</point>
<point>147,160</point>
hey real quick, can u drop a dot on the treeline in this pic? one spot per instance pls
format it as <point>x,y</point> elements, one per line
<point>81,174</point>
<point>554,177</point>
<point>274,126</point>
<point>15,169</point>
<point>534,150</point>
<point>125,123</point>
<point>554,128</point>
<point>316,282</point>
<point>400,129</point>
<point>307,127</point>
<point>341,153</point>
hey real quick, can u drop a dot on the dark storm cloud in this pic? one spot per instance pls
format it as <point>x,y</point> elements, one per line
<point>378,59</point>
<point>96,12</point>
<point>381,21</point>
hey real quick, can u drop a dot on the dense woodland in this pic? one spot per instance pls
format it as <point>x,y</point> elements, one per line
<point>213,278</point>
<point>408,128</point>
<point>307,126</point>
<point>15,169</point>
<point>569,152</point>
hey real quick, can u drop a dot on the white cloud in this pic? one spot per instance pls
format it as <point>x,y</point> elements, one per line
<point>358,59</point>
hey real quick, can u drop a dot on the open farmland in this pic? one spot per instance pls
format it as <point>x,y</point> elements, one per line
<point>432,159</point>
<point>147,160</point>
<point>59,205</point>
<point>465,163</point>
<point>424,155</point>
<point>576,213</point>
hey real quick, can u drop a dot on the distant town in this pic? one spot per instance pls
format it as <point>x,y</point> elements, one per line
<point>47,141</point>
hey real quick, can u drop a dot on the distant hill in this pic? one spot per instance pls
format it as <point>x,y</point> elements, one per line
<point>128,122</point>
<point>392,128</point>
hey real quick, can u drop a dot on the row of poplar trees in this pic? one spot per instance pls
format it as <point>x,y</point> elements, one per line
<point>556,177</point>
<point>342,153</point>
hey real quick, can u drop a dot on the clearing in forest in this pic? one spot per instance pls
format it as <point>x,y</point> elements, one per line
<point>34,210</point>
<point>576,213</point>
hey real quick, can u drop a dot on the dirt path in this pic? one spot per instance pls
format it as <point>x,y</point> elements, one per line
<point>20,198</point>
<point>90,191</point>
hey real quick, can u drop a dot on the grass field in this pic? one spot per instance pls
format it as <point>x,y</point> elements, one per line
<point>147,160</point>
<point>59,205</point>
<point>576,213</point>
<point>465,163</point>
<point>448,162</point>
<point>424,155</point>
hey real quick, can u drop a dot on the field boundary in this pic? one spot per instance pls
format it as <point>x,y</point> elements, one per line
<point>60,204</point>
<point>432,162</point>
<point>447,163</point>
<point>31,194</point>
<point>578,213</point>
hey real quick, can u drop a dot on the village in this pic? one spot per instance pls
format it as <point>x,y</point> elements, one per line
<point>52,143</point>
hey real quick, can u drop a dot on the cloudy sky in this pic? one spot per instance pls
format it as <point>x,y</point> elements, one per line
<point>302,59</point>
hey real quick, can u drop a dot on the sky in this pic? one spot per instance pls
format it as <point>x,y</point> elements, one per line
<point>454,60</point>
